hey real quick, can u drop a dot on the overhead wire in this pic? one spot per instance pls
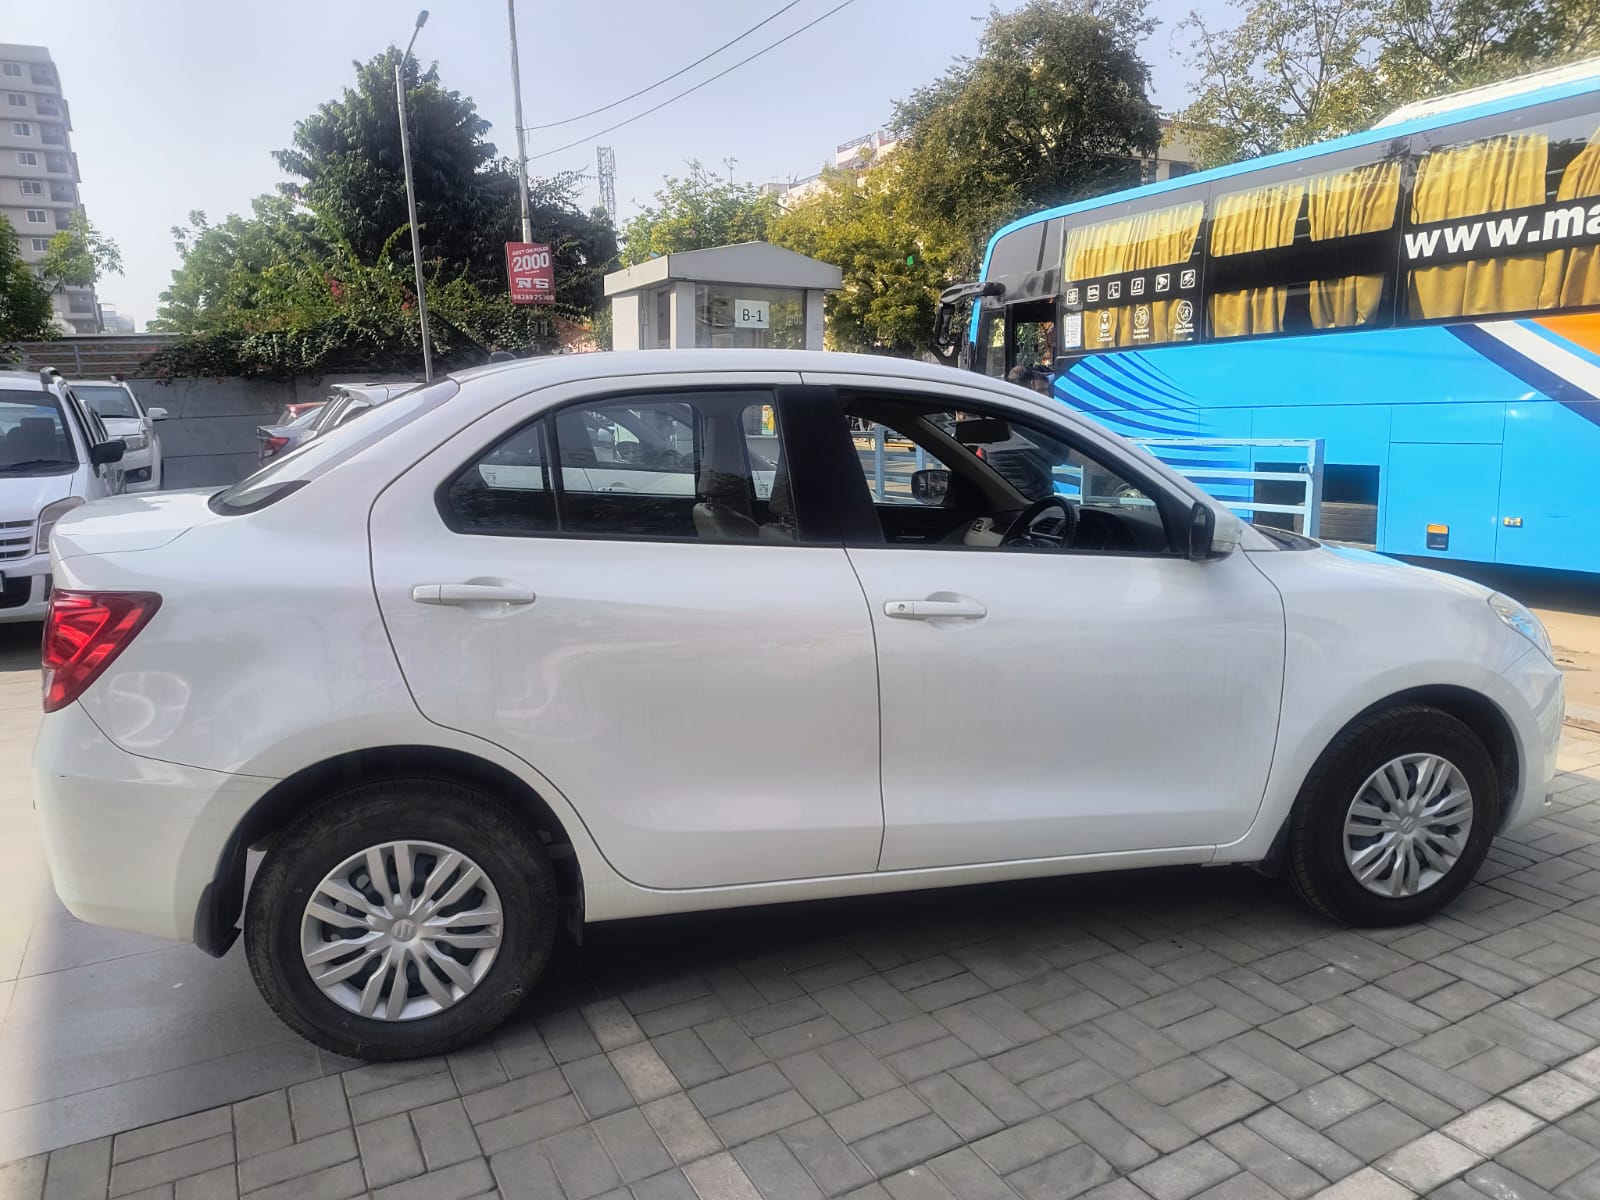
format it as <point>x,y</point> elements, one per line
<point>635,95</point>
<point>687,91</point>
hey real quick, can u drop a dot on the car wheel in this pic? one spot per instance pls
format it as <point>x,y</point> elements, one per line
<point>401,918</point>
<point>1395,818</point>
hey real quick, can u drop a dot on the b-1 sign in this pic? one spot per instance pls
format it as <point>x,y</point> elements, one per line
<point>750,314</point>
<point>531,272</point>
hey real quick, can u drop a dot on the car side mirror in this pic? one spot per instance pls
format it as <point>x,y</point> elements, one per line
<point>930,486</point>
<point>104,453</point>
<point>157,414</point>
<point>1202,531</point>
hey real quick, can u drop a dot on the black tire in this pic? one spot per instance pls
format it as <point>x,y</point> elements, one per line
<point>461,818</point>
<point>1316,861</point>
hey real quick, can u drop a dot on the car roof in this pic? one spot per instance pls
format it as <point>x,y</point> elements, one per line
<point>559,368</point>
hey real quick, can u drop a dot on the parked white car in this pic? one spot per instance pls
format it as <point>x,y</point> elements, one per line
<point>126,417</point>
<point>479,708</point>
<point>55,454</point>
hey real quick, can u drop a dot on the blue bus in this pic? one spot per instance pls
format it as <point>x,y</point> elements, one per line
<point>1423,297</point>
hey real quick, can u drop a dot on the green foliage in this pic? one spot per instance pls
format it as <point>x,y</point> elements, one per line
<point>1293,72</point>
<point>25,312</point>
<point>697,211</point>
<point>319,277</point>
<point>893,264</point>
<point>1052,109</point>
<point>78,256</point>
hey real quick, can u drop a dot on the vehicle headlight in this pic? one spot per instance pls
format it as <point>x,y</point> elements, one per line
<point>136,441</point>
<point>48,516</point>
<point>1523,621</point>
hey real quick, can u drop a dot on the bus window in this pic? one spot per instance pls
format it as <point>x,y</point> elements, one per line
<point>1281,239</point>
<point>1534,187</point>
<point>1129,282</point>
<point>992,344</point>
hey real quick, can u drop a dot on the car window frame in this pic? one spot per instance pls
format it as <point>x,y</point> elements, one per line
<point>813,527</point>
<point>859,512</point>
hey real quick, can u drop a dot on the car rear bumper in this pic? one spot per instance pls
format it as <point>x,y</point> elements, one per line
<point>25,592</point>
<point>131,842</point>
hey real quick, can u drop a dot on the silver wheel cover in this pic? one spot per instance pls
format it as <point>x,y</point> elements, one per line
<point>401,930</point>
<point>1408,825</point>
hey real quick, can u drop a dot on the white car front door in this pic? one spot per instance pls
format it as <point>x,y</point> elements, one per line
<point>1037,703</point>
<point>697,682</point>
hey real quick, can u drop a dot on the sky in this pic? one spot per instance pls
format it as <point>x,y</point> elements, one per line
<point>177,104</point>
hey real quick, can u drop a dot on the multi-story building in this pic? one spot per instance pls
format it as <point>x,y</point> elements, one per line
<point>38,170</point>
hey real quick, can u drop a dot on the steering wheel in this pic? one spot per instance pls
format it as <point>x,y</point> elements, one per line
<point>1022,533</point>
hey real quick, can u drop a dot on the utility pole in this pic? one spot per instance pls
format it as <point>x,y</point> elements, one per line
<point>411,197</point>
<point>522,146</point>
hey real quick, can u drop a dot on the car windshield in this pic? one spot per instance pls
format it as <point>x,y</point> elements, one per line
<point>328,450</point>
<point>33,438</point>
<point>107,399</point>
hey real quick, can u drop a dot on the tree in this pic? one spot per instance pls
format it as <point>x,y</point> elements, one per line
<point>1292,72</point>
<point>1052,108</point>
<point>893,264</point>
<point>697,211</point>
<point>25,310</point>
<point>78,256</point>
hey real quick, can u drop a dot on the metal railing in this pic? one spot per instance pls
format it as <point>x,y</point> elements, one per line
<point>1227,468</point>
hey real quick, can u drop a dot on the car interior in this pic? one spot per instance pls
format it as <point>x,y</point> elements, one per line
<point>994,482</point>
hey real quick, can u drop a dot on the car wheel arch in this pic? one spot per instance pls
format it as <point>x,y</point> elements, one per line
<point>222,900</point>
<point>1488,722</point>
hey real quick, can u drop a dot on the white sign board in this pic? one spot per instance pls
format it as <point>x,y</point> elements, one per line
<point>750,314</point>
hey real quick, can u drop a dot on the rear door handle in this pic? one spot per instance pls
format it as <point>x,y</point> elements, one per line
<point>930,610</point>
<point>471,593</point>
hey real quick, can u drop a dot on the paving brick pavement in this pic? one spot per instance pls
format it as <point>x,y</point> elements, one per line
<point>1149,1036</point>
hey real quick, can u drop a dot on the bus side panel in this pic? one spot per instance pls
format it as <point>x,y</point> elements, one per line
<point>1449,487</point>
<point>1550,483</point>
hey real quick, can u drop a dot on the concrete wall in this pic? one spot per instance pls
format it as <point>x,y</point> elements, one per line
<point>210,434</point>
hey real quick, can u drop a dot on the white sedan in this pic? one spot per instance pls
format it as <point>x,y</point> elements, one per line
<point>518,677</point>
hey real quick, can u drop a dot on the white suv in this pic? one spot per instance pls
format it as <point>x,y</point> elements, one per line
<point>55,454</point>
<point>494,696</point>
<point>126,417</point>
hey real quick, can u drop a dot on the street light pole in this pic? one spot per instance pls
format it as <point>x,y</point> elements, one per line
<point>516,101</point>
<point>411,197</point>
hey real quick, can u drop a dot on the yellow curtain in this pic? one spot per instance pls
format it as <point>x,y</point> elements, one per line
<point>1258,219</point>
<point>1245,222</point>
<point>1344,204</point>
<point>1484,177</point>
<point>1253,310</point>
<point>1572,276</point>
<point>1161,238</point>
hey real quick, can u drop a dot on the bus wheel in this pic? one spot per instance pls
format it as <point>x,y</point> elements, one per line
<point>1394,819</point>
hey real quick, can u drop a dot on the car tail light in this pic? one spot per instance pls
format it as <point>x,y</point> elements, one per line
<point>83,632</point>
<point>272,445</point>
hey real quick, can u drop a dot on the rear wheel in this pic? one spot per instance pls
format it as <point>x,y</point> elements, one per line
<point>1395,818</point>
<point>401,918</point>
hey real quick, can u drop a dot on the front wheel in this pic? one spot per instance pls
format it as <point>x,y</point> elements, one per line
<point>1395,818</point>
<point>401,918</point>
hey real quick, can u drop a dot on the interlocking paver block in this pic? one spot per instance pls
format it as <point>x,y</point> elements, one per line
<point>1549,1158</point>
<point>1185,1172</point>
<point>220,1183</point>
<point>969,1177</point>
<point>76,1172</point>
<point>389,1150</point>
<point>152,1139</point>
<point>1552,1095</point>
<point>318,1107</point>
<point>829,1161</point>
<point>339,1182</point>
<point>762,1117</point>
<point>262,1124</point>
<point>1118,1144</point>
<point>1330,1101</point>
<point>681,1128</point>
<point>1065,1175</point>
<point>299,1159</point>
<point>581,1163</point>
<point>445,1134</point>
<point>634,1148</point>
<point>643,1070</point>
<point>775,1171</point>
<point>957,1107</point>
<point>1429,1161</point>
<point>460,1182</point>
<point>1368,1184</point>
<point>1282,1171</point>
<point>168,1166</point>
<point>524,1174</point>
<point>1492,1127</point>
<point>720,1177</point>
<point>529,1124</point>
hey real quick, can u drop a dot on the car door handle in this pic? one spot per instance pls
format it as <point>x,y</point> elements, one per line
<point>932,610</point>
<point>471,593</point>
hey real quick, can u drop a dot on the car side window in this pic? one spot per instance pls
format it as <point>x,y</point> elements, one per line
<point>985,469</point>
<point>889,463</point>
<point>693,467</point>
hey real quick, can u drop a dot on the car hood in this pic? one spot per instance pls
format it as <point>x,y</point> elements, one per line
<point>22,496</point>
<point>139,521</point>
<point>122,426</point>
